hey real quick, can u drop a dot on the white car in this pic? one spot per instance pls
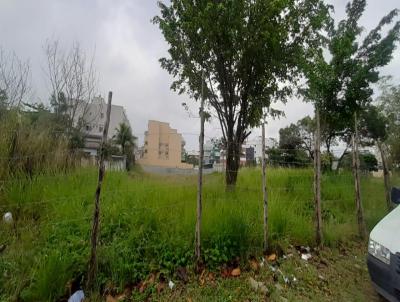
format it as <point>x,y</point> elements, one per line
<point>384,253</point>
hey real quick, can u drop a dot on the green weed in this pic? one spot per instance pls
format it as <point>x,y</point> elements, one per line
<point>147,223</point>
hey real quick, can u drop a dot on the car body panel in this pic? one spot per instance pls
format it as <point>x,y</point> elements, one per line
<point>386,278</point>
<point>387,231</point>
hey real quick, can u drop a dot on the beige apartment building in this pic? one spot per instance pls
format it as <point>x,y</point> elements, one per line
<point>162,147</point>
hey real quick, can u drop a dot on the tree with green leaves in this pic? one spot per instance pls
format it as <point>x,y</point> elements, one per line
<point>374,126</point>
<point>389,104</point>
<point>368,162</point>
<point>379,127</point>
<point>306,130</point>
<point>249,52</point>
<point>291,151</point>
<point>306,127</point>
<point>127,141</point>
<point>291,147</point>
<point>340,87</point>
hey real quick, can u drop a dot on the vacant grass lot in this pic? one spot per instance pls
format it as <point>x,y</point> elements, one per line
<point>147,223</point>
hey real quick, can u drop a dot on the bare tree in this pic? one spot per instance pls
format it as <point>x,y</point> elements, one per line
<point>14,79</point>
<point>73,81</point>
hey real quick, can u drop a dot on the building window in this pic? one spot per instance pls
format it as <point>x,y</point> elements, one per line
<point>87,127</point>
<point>102,115</point>
<point>101,128</point>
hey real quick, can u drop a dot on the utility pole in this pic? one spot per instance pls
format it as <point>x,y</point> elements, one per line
<point>356,173</point>
<point>264,188</point>
<point>317,179</point>
<point>200,178</point>
<point>96,214</point>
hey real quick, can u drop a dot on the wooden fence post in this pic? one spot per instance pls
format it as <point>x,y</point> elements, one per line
<point>264,188</point>
<point>317,179</point>
<point>96,214</point>
<point>200,179</point>
<point>356,173</point>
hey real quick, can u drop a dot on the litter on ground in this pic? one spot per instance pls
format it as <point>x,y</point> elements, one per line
<point>78,296</point>
<point>306,257</point>
<point>8,218</point>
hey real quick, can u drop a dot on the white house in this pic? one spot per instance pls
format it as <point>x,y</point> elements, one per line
<point>94,119</point>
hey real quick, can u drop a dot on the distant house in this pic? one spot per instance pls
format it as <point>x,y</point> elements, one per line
<point>256,144</point>
<point>93,117</point>
<point>192,157</point>
<point>212,154</point>
<point>163,147</point>
<point>246,158</point>
<point>250,152</point>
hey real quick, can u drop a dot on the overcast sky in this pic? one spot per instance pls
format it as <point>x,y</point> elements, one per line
<point>127,47</point>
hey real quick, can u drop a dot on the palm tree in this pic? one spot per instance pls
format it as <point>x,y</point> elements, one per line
<point>127,141</point>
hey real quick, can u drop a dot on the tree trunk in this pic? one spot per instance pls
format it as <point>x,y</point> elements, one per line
<point>341,158</point>
<point>386,177</point>
<point>127,163</point>
<point>232,163</point>
<point>328,151</point>
<point>356,173</point>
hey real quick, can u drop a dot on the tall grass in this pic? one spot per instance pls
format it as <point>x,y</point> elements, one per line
<point>31,145</point>
<point>147,223</point>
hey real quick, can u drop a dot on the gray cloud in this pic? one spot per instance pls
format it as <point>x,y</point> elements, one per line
<point>127,47</point>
